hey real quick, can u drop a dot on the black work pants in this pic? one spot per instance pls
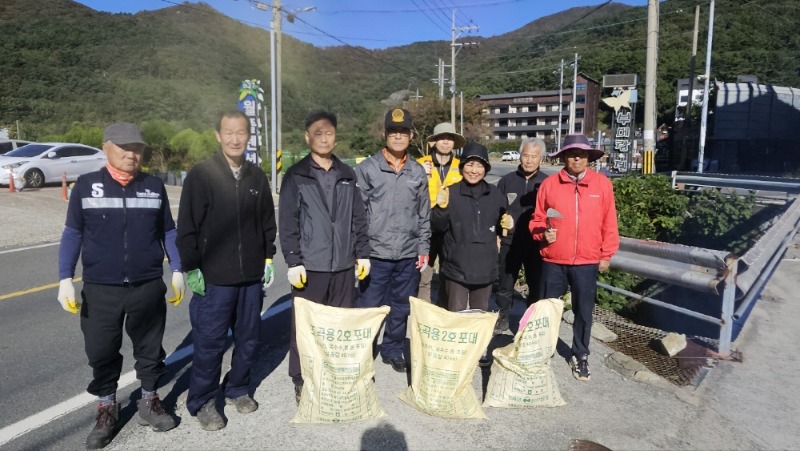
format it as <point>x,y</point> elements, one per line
<point>582,282</point>
<point>513,257</point>
<point>426,277</point>
<point>335,289</point>
<point>141,309</point>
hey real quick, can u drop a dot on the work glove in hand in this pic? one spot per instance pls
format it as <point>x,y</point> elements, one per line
<point>269,273</point>
<point>422,262</point>
<point>297,276</point>
<point>443,197</point>
<point>178,288</point>
<point>196,282</point>
<point>506,222</point>
<point>66,296</point>
<point>362,268</point>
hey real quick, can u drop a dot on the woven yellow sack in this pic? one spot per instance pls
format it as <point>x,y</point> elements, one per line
<point>521,372</point>
<point>335,347</point>
<point>445,349</point>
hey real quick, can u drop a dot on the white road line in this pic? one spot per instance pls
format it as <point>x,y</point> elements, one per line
<point>37,246</point>
<point>46,416</point>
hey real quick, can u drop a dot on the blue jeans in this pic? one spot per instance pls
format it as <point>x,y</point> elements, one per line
<point>391,282</point>
<point>236,307</point>
<point>582,280</point>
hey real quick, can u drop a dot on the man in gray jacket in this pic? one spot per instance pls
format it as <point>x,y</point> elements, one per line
<point>395,192</point>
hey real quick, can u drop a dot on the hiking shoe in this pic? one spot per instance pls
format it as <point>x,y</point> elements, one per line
<point>485,360</point>
<point>298,392</point>
<point>244,404</point>
<point>398,363</point>
<point>152,413</point>
<point>580,367</point>
<point>209,418</point>
<point>105,428</point>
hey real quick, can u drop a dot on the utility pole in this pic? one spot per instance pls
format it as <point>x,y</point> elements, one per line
<point>706,76</point>
<point>462,113</point>
<point>648,165</point>
<point>574,95</point>
<point>275,90</point>
<point>692,66</point>
<point>439,80</point>
<point>560,101</point>
<point>455,32</point>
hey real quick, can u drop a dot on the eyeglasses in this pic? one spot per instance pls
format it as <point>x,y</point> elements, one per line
<point>400,133</point>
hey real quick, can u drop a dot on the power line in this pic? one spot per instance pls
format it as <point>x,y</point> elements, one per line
<point>363,52</point>
<point>397,11</point>
<point>429,17</point>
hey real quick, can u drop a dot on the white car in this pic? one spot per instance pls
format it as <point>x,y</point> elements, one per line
<point>41,163</point>
<point>511,155</point>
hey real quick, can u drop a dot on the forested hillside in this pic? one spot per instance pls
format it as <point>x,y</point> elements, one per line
<point>62,63</point>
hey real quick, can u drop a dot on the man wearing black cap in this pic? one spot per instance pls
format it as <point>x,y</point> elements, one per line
<point>395,192</point>
<point>579,240</point>
<point>119,221</point>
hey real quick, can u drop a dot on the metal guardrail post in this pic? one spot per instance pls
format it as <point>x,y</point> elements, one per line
<point>728,300</point>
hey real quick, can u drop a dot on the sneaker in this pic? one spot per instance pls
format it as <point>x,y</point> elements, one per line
<point>151,412</point>
<point>398,363</point>
<point>298,392</point>
<point>580,367</point>
<point>209,418</point>
<point>105,428</point>
<point>244,404</point>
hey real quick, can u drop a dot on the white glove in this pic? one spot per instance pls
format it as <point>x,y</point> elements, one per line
<point>297,276</point>
<point>66,296</point>
<point>178,288</point>
<point>443,197</point>
<point>269,273</point>
<point>362,268</point>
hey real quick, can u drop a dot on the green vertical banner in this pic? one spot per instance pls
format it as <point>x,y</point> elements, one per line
<point>251,102</point>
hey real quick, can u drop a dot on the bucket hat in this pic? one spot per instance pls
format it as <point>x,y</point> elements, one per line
<point>578,141</point>
<point>446,128</point>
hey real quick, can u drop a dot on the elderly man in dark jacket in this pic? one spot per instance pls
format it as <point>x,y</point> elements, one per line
<point>226,235</point>
<point>471,217</point>
<point>518,248</point>
<point>323,228</point>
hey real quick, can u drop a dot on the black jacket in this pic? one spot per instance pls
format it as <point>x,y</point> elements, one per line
<point>471,226</point>
<point>322,237</point>
<point>226,227</point>
<point>522,207</point>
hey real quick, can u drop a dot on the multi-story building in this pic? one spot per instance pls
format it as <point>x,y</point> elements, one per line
<point>535,114</point>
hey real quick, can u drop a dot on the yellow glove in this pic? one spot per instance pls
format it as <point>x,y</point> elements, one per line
<point>297,276</point>
<point>178,289</point>
<point>66,296</point>
<point>506,222</point>
<point>362,268</point>
<point>443,197</point>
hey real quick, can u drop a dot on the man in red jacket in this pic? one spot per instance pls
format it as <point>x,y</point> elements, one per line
<point>579,243</point>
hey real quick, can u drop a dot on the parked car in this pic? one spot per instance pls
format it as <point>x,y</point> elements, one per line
<point>41,163</point>
<point>511,155</point>
<point>7,145</point>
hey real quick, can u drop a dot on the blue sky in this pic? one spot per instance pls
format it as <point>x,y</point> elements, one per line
<point>377,23</point>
